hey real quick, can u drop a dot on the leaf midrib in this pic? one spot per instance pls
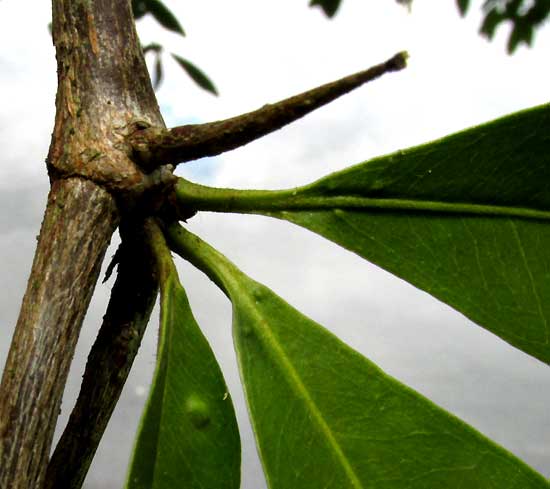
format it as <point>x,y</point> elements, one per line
<point>396,204</point>
<point>325,195</point>
<point>296,383</point>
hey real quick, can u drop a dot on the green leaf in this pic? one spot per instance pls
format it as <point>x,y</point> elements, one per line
<point>164,16</point>
<point>188,435</point>
<point>465,218</point>
<point>196,74</point>
<point>463,6</point>
<point>521,33</point>
<point>325,416</point>
<point>153,48</point>
<point>491,21</point>
<point>329,6</point>
<point>157,79</point>
<point>139,8</point>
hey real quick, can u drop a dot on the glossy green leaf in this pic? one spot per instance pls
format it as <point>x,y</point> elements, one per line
<point>465,218</point>
<point>164,16</point>
<point>188,435</point>
<point>325,416</point>
<point>196,74</point>
<point>329,6</point>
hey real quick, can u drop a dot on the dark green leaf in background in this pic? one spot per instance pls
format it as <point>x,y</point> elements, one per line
<point>490,23</point>
<point>157,78</point>
<point>463,6</point>
<point>196,74</point>
<point>188,436</point>
<point>521,33</point>
<point>326,417</point>
<point>466,218</point>
<point>157,75</point>
<point>164,16</point>
<point>329,6</point>
<point>523,16</point>
<point>152,48</point>
<point>139,8</point>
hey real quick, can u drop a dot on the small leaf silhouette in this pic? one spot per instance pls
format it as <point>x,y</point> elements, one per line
<point>521,33</point>
<point>157,78</point>
<point>196,74</point>
<point>463,6</point>
<point>139,8</point>
<point>164,16</point>
<point>329,6</point>
<point>490,23</point>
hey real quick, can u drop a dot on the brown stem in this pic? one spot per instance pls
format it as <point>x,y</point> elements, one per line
<point>77,227</point>
<point>103,86</point>
<point>112,355</point>
<point>156,146</point>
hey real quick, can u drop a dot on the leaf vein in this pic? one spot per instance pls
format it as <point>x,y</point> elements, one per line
<point>532,282</point>
<point>296,382</point>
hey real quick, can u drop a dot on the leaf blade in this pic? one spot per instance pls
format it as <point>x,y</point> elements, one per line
<point>329,7</point>
<point>197,75</point>
<point>139,8</point>
<point>464,218</point>
<point>164,16</point>
<point>158,75</point>
<point>511,169</point>
<point>437,436</point>
<point>188,432</point>
<point>463,6</point>
<point>325,416</point>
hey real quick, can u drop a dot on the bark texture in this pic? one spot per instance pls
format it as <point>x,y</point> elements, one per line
<point>76,230</point>
<point>106,117</point>
<point>132,299</point>
<point>156,145</point>
<point>103,88</point>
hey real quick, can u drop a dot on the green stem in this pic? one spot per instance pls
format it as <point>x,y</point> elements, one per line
<point>200,197</point>
<point>161,252</point>
<point>199,253</point>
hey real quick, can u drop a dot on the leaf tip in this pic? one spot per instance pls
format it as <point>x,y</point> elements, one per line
<point>329,7</point>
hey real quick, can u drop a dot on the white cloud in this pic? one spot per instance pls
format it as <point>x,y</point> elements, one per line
<point>259,52</point>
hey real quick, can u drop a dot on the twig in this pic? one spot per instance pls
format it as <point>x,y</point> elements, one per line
<point>132,299</point>
<point>154,146</point>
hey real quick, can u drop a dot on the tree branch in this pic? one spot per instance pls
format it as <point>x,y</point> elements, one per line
<point>110,360</point>
<point>155,146</point>
<point>103,86</point>
<point>77,228</point>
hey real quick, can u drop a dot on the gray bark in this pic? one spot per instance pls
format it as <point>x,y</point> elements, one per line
<point>103,88</point>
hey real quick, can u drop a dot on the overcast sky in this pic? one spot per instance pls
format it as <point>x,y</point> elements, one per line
<point>258,52</point>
